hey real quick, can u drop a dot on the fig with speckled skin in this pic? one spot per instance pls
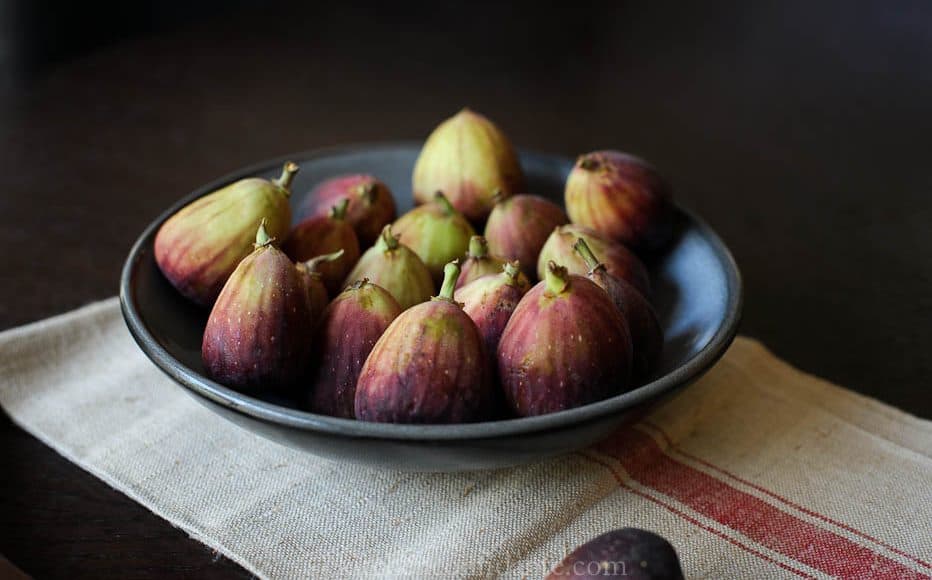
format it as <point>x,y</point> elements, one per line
<point>436,232</point>
<point>491,299</point>
<point>566,345</point>
<point>350,327</point>
<point>324,235</point>
<point>317,297</point>
<point>428,367</point>
<point>371,205</point>
<point>199,247</point>
<point>518,227</point>
<point>397,269</point>
<point>478,262</point>
<point>621,197</point>
<point>626,553</point>
<point>258,335</point>
<point>646,334</point>
<point>469,159</point>
<point>619,260</point>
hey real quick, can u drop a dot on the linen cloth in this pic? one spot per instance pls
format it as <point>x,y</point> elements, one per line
<point>756,471</point>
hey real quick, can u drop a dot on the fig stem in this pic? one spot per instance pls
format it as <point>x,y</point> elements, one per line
<point>387,240</point>
<point>444,203</point>
<point>451,272</point>
<point>582,248</point>
<point>588,162</point>
<point>512,271</point>
<point>367,192</point>
<point>262,236</point>
<point>499,196</point>
<point>556,278</point>
<point>478,247</point>
<point>288,172</point>
<point>316,260</point>
<point>359,284</point>
<point>338,212</point>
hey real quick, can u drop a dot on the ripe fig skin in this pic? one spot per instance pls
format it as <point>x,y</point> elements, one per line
<point>469,159</point>
<point>566,345</point>
<point>622,197</point>
<point>619,260</point>
<point>317,297</point>
<point>518,227</point>
<point>628,552</point>
<point>428,367</point>
<point>324,235</point>
<point>478,262</point>
<point>397,269</point>
<point>436,232</point>
<point>198,248</point>
<point>371,204</point>
<point>490,301</point>
<point>348,330</point>
<point>258,335</point>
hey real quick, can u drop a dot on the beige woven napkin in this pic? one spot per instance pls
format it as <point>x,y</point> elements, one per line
<point>756,471</point>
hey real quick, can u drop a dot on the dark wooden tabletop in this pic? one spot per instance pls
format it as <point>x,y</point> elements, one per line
<point>801,131</point>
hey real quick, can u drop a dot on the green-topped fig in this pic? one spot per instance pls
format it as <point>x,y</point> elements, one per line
<point>199,247</point>
<point>490,301</point>
<point>397,269</point>
<point>436,232</point>
<point>518,227</point>
<point>317,236</point>
<point>317,297</point>
<point>479,262</point>
<point>371,205</point>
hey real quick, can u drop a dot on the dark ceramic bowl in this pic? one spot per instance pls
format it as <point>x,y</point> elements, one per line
<point>697,293</point>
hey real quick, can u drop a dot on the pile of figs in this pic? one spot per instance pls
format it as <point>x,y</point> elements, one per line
<point>360,313</point>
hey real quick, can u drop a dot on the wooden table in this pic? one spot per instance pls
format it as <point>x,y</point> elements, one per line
<point>802,132</point>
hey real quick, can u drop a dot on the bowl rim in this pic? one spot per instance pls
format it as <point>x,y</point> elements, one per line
<point>204,387</point>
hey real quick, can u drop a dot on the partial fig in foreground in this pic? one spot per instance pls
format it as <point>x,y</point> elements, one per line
<point>258,335</point>
<point>621,197</point>
<point>566,345</point>
<point>518,227</point>
<point>428,367</point>
<point>646,334</point>
<point>491,299</point>
<point>350,327</point>
<point>619,260</point>
<point>478,262</point>
<point>436,232</point>
<point>317,297</point>
<point>199,247</point>
<point>626,553</point>
<point>317,236</point>
<point>371,204</point>
<point>397,269</point>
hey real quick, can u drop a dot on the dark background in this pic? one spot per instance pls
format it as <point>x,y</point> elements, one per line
<point>801,131</point>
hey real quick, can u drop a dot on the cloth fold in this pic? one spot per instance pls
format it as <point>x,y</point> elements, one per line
<point>757,470</point>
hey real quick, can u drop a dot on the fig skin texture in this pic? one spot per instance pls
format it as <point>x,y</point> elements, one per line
<point>397,269</point>
<point>566,345</point>
<point>490,301</point>
<point>350,327</point>
<point>258,335</point>
<point>199,247</point>
<point>436,232</point>
<point>478,262</point>
<point>625,553</point>
<point>619,260</point>
<point>317,297</point>
<point>621,197</point>
<point>518,227</point>
<point>428,367</point>
<point>469,159</point>
<point>646,333</point>
<point>324,235</point>
<point>371,204</point>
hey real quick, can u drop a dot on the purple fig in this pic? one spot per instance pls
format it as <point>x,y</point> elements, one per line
<point>566,345</point>
<point>469,159</point>
<point>317,297</point>
<point>629,553</point>
<point>619,260</point>
<point>199,247</point>
<point>491,299</point>
<point>518,227</point>
<point>621,197</point>
<point>324,235</point>
<point>646,334</point>
<point>478,262</point>
<point>428,367</point>
<point>350,327</point>
<point>395,268</point>
<point>371,205</point>
<point>436,232</point>
<point>258,334</point>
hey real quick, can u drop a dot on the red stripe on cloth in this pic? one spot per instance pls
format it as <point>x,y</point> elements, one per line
<point>668,441</point>
<point>643,459</point>
<point>623,484</point>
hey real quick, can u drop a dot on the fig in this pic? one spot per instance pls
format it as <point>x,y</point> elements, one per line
<point>619,260</point>
<point>478,262</point>
<point>324,235</point>
<point>491,299</point>
<point>566,345</point>
<point>436,232</point>
<point>518,227</point>
<point>199,247</point>
<point>258,334</point>
<point>621,197</point>
<point>349,329</point>
<point>317,297</point>
<point>397,269</point>
<point>428,367</point>
<point>371,205</point>
<point>629,552</point>
<point>469,159</point>
<point>646,334</point>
